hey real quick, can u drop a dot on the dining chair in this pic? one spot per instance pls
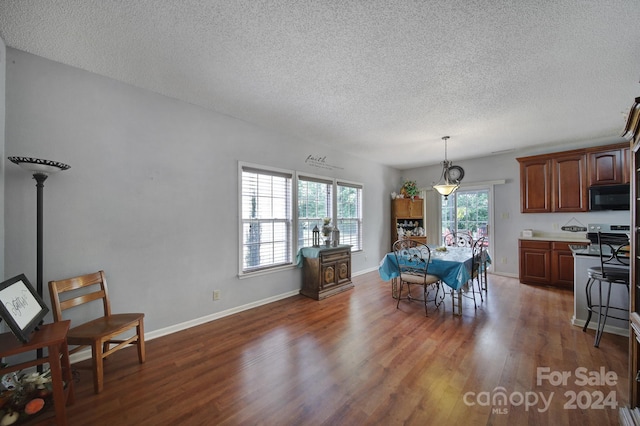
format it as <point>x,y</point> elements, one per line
<point>613,270</point>
<point>458,239</point>
<point>413,259</point>
<point>99,333</point>
<point>479,265</point>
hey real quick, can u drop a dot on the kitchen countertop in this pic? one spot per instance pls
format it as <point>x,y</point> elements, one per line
<point>574,237</point>
<point>590,250</point>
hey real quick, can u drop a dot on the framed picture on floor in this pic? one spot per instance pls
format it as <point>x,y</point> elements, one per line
<point>21,307</point>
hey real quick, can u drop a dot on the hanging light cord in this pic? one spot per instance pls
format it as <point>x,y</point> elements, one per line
<point>445,163</point>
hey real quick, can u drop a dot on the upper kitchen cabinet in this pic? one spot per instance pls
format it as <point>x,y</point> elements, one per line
<point>559,182</point>
<point>610,167</point>
<point>554,183</point>
<point>569,177</point>
<point>535,184</point>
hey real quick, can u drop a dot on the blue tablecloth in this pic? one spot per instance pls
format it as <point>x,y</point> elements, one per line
<point>313,252</point>
<point>453,266</point>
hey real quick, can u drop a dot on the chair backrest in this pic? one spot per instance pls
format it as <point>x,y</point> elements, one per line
<point>458,239</point>
<point>412,257</point>
<point>479,254</point>
<point>94,286</point>
<point>614,251</point>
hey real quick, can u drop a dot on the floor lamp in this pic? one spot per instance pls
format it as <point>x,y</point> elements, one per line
<point>41,169</point>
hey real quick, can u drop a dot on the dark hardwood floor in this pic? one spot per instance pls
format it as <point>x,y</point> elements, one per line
<point>356,359</point>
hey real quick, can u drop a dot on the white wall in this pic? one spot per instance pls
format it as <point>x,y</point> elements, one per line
<point>508,219</point>
<point>152,194</point>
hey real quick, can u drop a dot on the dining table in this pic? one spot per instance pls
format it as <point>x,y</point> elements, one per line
<point>452,266</point>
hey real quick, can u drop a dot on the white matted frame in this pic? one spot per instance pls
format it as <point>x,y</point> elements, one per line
<point>21,307</point>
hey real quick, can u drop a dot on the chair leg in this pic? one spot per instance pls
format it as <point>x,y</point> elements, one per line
<point>98,370</point>
<point>478,279</point>
<point>399,294</point>
<point>424,288</point>
<point>589,305</point>
<point>604,317</point>
<point>141,348</point>
<point>473,292</point>
<point>485,284</point>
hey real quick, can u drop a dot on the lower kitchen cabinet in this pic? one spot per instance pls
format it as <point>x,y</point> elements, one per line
<point>546,263</point>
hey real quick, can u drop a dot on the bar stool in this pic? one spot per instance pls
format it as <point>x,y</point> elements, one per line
<point>613,270</point>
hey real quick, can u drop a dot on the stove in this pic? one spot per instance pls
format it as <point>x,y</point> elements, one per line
<point>616,235</point>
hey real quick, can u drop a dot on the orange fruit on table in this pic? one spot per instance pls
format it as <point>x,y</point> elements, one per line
<point>34,406</point>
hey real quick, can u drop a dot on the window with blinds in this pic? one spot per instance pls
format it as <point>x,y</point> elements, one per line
<point>315,202</point>
<point>266,218</point>
<point>272,232</point>
<point>349,214</point>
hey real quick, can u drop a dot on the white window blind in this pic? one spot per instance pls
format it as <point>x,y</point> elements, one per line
<point>349,219</point>
<point>315,201</point>
<point>266,218</point>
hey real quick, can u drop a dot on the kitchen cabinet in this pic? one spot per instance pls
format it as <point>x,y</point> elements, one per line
<point>535,185</point>
<point>326,271</point>
<point>569,183</point>
<point>554,183</point>
<point>407,214</point>
<point>559,182</point>
<point>535,262</point>
<point>547,263</point>
<point>562,270</point>
<point>609,167</point>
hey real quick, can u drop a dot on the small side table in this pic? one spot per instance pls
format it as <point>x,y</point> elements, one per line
<point>326,270</point>
<point>54,338</point>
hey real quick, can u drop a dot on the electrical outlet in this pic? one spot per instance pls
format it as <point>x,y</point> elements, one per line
<point>504,260</point>
<point>216,294</point>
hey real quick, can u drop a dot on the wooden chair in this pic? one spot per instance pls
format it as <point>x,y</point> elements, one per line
<point>99,333</point>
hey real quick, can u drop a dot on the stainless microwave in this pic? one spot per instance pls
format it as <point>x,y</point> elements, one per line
<point>609,197</point>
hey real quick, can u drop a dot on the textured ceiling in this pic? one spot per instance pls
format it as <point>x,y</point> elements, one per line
<point>382,79</point>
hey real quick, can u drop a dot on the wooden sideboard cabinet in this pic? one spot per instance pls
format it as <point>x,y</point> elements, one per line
<point>328,273</point>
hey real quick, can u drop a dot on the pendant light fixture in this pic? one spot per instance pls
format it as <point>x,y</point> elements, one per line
<point>452,175</point>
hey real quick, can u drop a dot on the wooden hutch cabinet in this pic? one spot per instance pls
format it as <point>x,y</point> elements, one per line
<point>327,271</point>
<point>407,214</point>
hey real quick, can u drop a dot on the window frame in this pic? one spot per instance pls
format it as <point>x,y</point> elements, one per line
<point>290,261</point>
<point>294,236</point>
<point>332,202</point>
<point>360,218</point>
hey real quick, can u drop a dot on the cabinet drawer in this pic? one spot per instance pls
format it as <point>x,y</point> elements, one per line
<point>334,257</point>
<point>557,245</point>
<point>542,245</point>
